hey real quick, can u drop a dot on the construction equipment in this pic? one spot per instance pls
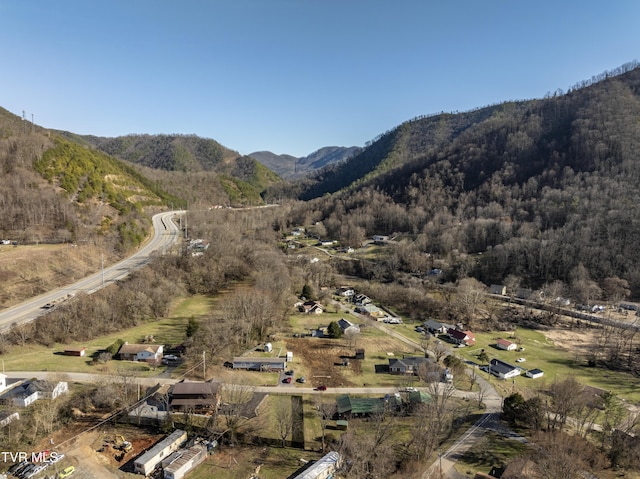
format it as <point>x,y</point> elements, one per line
<point>121,444</point>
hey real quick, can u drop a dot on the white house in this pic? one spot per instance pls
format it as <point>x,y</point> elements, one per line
<point>29,392</point>
<point>7,417</point>
<point>498,289</point>
<point>345,291</point>
<point>503,370</point>
<point>348,326</point>
<point>141,352</point>
<point>506,345</point>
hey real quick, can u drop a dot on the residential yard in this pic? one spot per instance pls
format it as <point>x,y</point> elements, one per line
<point>241,463</point>
<point>320,360</point>
<point>170,330</point>
<point>559,353</point>
<point>493,450</point>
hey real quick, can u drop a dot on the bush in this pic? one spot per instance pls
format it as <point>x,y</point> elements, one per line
<point>115,347</point>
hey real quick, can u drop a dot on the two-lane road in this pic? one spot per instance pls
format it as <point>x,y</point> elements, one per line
<point>165,234</point>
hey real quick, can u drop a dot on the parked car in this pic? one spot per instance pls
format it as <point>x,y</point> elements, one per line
<point>17,467</point>
<point>520,360</point>
<point>66,472</point>
<point>408,389</point>
<point>287,380</point>
<point>55,457</point>
<point>289,372</point>
<point>26,470</point>
<point>322,388</point>
<point>36,470</point>
<point>301,380</point>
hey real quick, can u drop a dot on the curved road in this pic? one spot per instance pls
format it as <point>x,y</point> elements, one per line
<point>165,234</point>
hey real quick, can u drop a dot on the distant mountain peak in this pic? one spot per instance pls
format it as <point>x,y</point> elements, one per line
<point>291,167</point>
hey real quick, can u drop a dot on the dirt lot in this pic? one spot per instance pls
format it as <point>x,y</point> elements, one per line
<point>92,453</point>
<point>322,358</point>
<point>575,340</point>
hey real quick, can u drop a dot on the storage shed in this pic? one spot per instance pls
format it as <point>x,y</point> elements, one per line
<point>534,373</point>
<point>79,351</point>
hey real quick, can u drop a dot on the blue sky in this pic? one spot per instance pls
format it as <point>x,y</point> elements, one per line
<point>291,76</point>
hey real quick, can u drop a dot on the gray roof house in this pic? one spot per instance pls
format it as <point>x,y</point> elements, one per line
<point>347,325</point>
<point>436,327</point>
<point>260,364</point>
<point>30,391</point>
<point>406,365</point>
<point>503,370</point>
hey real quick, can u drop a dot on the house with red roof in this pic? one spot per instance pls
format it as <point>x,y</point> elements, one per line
<point>461,337</point>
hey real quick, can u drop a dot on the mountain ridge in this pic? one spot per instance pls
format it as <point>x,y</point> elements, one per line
<point>292,168</point>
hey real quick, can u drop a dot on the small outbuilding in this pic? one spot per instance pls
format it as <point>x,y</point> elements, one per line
<point>506,345</point>
<point>78,351</point>
<point>534,373</point>
<point>499,289</point>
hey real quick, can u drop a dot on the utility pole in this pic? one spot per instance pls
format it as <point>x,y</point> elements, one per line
<point>186,235</point>
<point>102,262</point>
<point>204,365</point>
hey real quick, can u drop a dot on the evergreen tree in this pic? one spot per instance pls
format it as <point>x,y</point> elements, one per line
<point>334,330</point>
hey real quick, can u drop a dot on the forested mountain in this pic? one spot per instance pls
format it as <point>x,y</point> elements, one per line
<point>241,177</point>
<point>55,190</point>
<point>539,191</point>
<point>290,167</point>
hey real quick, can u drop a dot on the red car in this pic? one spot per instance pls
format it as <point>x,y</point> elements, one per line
<point>287,380</point>
<point>322,388</point>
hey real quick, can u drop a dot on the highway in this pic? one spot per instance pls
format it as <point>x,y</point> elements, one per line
<point>165,234</point>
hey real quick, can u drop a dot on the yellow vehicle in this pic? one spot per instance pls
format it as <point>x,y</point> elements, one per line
<point>66,472</point>
<point>122,444</point>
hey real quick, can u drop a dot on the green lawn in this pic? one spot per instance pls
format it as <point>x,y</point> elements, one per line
<point>493,450</point>
<point>241,463</point>
<point>542,353</point>
<point>170,330</point>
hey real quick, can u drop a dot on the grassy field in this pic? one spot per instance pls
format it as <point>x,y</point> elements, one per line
<point>493,450</point>
<point>556,362</point>
<point>241,463</point>
<point>170,330</point>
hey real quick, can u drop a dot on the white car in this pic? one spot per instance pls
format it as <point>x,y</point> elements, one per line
<point>55,457</point>
<point>408,389</point>
<point>520,360</point>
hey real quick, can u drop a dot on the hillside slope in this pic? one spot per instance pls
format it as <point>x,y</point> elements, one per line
<point>55,190</point>
<point>545,189</point>
<point>242,178</point>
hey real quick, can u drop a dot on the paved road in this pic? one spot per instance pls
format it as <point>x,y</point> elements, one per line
<point>165,234</point>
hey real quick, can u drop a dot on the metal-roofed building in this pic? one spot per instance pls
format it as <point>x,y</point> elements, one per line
<point>259,364</point>
<point>147,462</point>
<point>358,406</point>
<point>323,468</point>
<point>186,459</point>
